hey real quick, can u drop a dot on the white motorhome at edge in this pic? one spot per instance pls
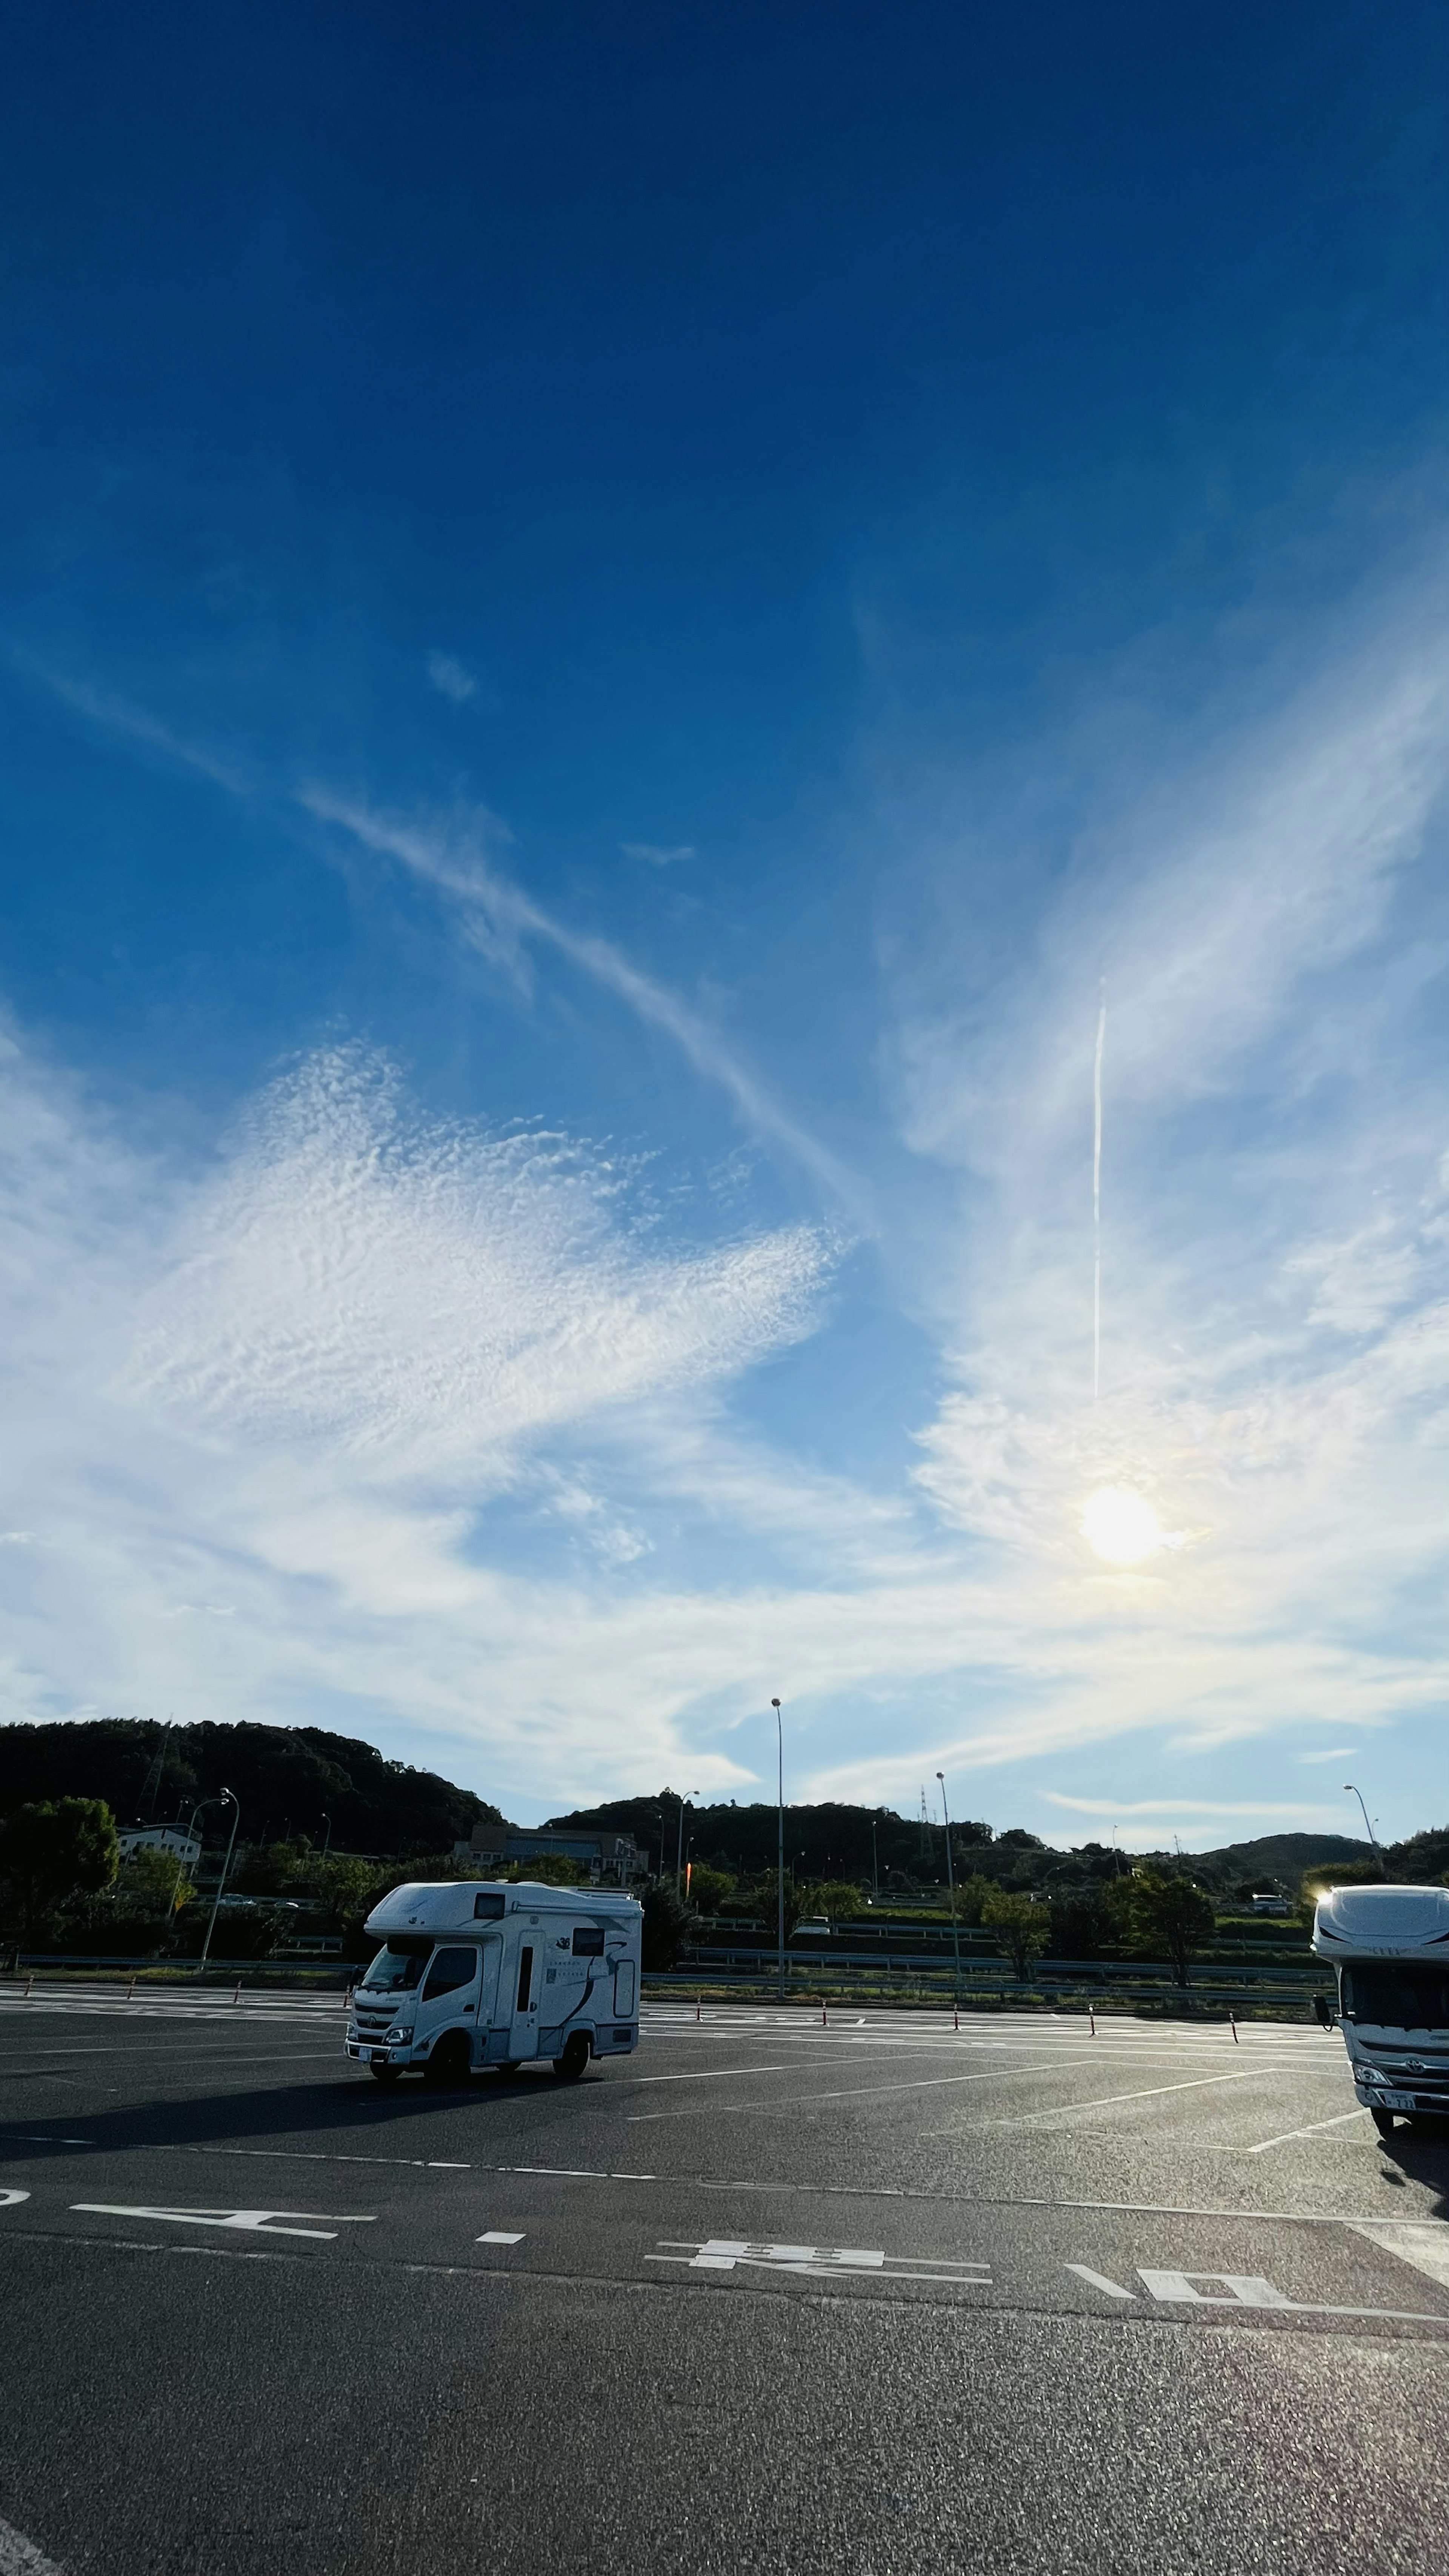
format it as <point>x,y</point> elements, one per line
<point>478,1973</point>
<point>1391,1948</point>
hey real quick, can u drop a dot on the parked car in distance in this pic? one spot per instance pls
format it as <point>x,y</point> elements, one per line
<point>813,1928</point>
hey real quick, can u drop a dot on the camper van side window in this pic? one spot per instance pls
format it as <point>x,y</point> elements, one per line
<point>488,1909</point>
<point>525,1978</point>
<point>588,1941</point>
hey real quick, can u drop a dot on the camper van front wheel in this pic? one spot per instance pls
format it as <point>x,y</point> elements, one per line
<point>575,2057</point>
<point>386,2074</point>
<point>1384,2123</point>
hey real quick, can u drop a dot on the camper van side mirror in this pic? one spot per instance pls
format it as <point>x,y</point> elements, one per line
<point>1324,2012</point>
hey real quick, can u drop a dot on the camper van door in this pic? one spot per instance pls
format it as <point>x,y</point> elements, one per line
<point>523,2039</point>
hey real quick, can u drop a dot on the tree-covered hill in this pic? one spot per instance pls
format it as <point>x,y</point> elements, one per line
<point>289,1780</point>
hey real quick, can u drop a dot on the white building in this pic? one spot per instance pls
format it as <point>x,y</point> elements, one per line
<point>175,1839</point>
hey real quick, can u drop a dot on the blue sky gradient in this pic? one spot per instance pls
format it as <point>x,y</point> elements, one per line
<point>613,620</point>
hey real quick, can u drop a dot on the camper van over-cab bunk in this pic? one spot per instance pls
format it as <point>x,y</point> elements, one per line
<point>477,1973</point>
<point>1391,1949</point>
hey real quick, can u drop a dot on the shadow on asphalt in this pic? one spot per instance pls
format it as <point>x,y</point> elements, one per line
<point>352,2109</point>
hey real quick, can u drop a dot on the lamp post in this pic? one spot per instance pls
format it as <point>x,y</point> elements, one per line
<point>685,1799</point>
<point>327,1845</point>
<point>780,1848</point>
<point>874,1862</point>
<point>226,1864</point>
<point>951,1891</point>
<point>1349,1790</point>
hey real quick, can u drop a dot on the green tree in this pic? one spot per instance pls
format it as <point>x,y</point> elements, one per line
<point>666,1924</point>
<point>1022,1928</point>
<point>839,1899</point>
<point>154,1882</point>
<point>49,1852</point>
<point>971,1896</point>
<point>709,1889</point>
<point>1079,1923</point>
<point>1163,1915</point>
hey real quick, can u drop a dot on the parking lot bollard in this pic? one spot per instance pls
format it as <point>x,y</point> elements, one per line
<point>1092,2018</point>
<point>1233,2027</point>
<point>29,1982</point>
<point>698,2003</point>
<point>236,1998</point>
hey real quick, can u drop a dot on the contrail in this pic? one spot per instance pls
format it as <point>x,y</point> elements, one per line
<point>1097,1196</point>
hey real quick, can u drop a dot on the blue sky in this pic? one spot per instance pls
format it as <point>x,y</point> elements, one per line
<point>613,620</point>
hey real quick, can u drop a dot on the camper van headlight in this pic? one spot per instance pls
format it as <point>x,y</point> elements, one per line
<point>398,2032</point>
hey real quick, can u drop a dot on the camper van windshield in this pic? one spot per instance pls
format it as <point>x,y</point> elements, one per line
<point>1394,1994</point>
<point>400,1965</point>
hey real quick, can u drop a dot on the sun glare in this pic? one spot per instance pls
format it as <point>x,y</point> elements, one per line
<point>1121,1526</point>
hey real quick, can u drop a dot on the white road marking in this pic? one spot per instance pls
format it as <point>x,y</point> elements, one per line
<point>12,2199</point>
<point>20,2557</point>
<point>257,2222</point>
<point>708,2074</point>
<point>1101,2101</point>
<point>816,2262</point>
<point>499,2236</point>
<point>1099,2281</point>
<point>1264,2144</point>
<point>1424,2245</point>
<point>1240,2289</point>
<point>854,2092</point>
<point>1250,2290</point>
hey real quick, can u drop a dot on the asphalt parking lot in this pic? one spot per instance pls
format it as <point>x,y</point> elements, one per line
<point>768,2295</point>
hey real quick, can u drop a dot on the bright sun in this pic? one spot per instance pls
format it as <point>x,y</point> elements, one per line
<point>1120,1525</point>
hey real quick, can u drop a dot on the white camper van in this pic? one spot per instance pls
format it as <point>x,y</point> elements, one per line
<point>1391,1949</point>
<point>477,1974</point>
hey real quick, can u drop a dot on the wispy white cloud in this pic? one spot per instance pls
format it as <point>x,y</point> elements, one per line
<point>1294,1813</point>
<point>1331,1753</point>
<point>497,917</point>
<point>450,678</point>
<point>653,856</point>
<point>122,718</point>
<point>425,1299</point>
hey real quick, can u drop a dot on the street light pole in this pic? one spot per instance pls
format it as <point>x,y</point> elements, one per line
<point>327,1845</point>
<point>1349,1790</point>
<point>780,1849</point>
<point>685,1799</point>
<point>226,1864</point>
<point>951,1890</point>
<point>874,1862</point>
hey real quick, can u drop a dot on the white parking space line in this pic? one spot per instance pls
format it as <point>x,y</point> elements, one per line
<point>1425,2245</point>
<point>708,2074</point>
<point>20,2557</point>
<point>1264,2144</point>
<point>855,2092</point>
<point>499,2236</point>
<point>1099,2281</point>
<point>1145,2093</point>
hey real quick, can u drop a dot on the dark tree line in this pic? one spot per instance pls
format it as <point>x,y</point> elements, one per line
<point>289,1780</point>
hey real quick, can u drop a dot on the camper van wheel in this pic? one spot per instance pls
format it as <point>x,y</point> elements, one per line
<point>449,2061</point>
<point>385,2074</point>
<point>575,2057</point>
<point>1384,2123</point>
